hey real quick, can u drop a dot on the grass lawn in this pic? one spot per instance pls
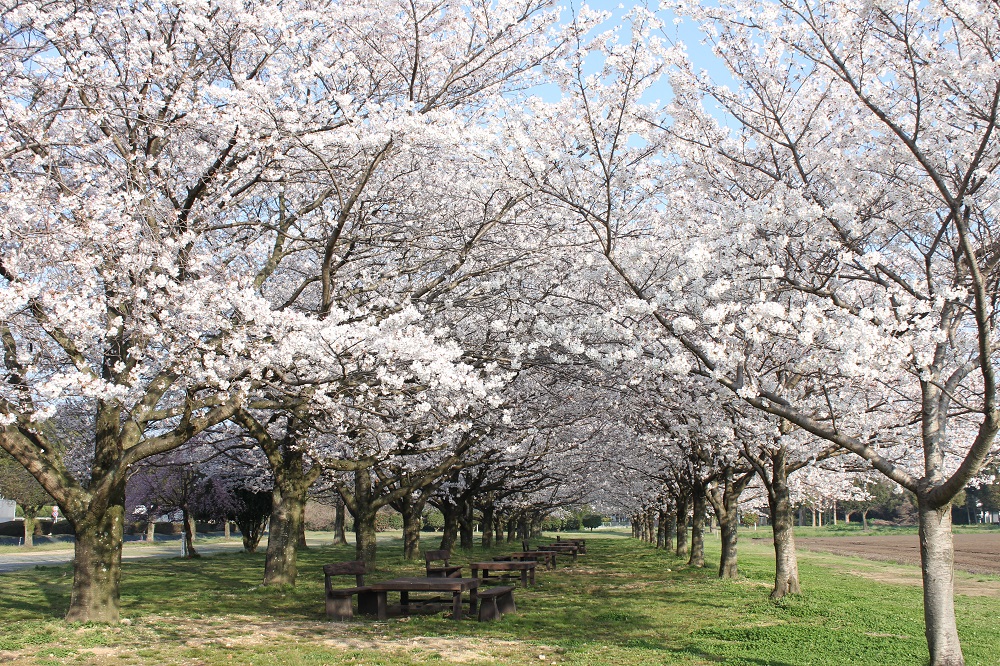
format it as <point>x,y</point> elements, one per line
<point>623,603</point>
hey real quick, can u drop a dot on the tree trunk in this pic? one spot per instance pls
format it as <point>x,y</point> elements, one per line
<point>699,503</point>
<point>725,500</point>
<point>29,528</point>
<point>226,533</point>
<point>339,533</point>
<point>937,560</point>
<point>288,505</point>
<point>97,567</point>
<point>365,536</point>
<point>864,520</point>
<point>488,524</point>
<point>511,529</point>
<point>150,530</point>
<point>411,510</point>
<point>786,567</point>
<point>465,525</point>
<point>302,532</point>
<point>661,529</point>
<point>364,518</point>
<point>682,535</point>
<point>189,533</point>
<point>450,533</point>
<point>522,528</point>
<point>411,535</point>
<point>535,526</point>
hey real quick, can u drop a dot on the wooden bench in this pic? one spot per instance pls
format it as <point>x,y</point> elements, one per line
<point>338,601</point>
<point>577,542</point>
<point>546,556</point>
<point>495,601</point>
<point>563,548</point>
<point>446,570</point>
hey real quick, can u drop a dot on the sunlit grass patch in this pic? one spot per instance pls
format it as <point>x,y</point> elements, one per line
<point>622,603</point>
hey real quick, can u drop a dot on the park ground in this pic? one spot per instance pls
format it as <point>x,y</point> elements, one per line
<point>622,603</point>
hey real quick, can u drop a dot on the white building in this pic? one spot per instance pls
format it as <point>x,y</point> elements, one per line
<point>7,510</point>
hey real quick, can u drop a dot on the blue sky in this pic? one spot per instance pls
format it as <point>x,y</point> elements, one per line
<point>686,32</point>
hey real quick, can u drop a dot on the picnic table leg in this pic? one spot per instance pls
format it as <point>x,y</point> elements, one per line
<point>524,578</point>
<point>473,601</point>
<point>456,605</point>
<point>381,603</point>
<point>404,602</point>
<point>533,576</point>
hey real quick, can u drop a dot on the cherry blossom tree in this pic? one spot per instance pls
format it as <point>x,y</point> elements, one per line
<point>124,132</point>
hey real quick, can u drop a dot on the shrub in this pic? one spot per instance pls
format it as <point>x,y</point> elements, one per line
<point>433,521</point>
<point>551,524</point>
<point>388,519</point>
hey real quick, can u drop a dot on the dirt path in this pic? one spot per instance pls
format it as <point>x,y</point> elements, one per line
<point>975,553</point>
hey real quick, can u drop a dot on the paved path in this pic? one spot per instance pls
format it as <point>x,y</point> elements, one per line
<point>132,551</point>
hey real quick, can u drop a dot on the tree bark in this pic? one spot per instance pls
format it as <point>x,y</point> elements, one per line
<point>535,526</point>
<point>466,524</point>
<point>699,504</point>
<point>937,559</point>
<point>786,568</point>
<point>364,518</point>
<point>29,526</point>
<point>522,527</point>
<point>288,505</point>
<point>339,533</point>
<point>411,509</point>
<point>97,567</point>
<point>365,535</point>
<point>187,518</point>
<point>302,532</point>
<point>449,535</point>
<point>661,529</point>
<point>150,530</point>
<point>726,503</point>
<point>488,524</point>
<point>683,548</point>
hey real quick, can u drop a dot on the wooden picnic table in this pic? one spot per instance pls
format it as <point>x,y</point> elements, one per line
<point>436,584</point>
<point>576,542</point>
<point>527,569</point>
<point>570,548</point>
<point>547,556</point>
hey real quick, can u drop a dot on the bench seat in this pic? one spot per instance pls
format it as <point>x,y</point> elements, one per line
<point>338,600</point>
<point>495,601</point>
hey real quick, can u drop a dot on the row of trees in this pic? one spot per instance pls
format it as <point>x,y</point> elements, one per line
<point>341,247</point>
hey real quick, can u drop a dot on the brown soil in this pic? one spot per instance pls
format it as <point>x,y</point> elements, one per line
<point>975,553</point>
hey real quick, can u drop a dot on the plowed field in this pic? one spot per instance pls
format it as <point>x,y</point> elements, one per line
<point>975,553</point>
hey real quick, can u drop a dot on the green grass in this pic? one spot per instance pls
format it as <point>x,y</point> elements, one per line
<point>623,603</point>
